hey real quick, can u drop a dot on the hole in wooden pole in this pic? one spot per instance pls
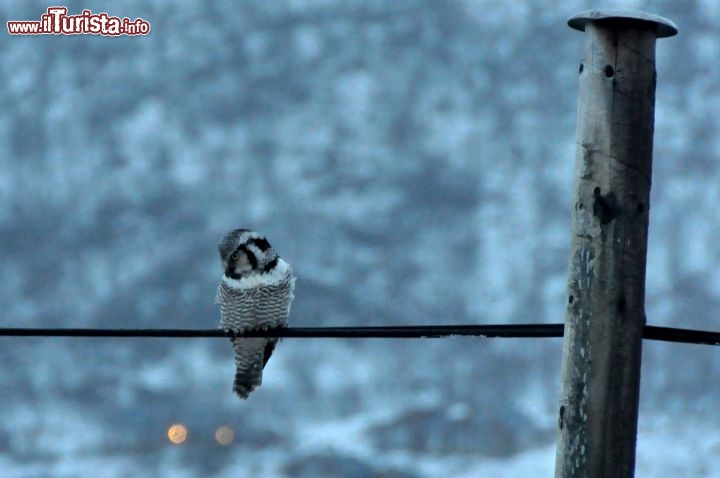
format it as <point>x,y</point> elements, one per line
<point>609,71</point>
<point>621,305</point>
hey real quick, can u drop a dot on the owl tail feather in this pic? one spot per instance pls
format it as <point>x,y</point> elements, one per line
<point>245,383</point>
<point>251,355</point>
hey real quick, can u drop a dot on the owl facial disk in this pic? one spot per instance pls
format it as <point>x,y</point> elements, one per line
<point>241,262</point>
<point>244,253</point>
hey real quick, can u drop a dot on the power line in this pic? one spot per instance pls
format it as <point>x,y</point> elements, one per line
<point>666,334</point>
<point>398,332</point>
<point>685,336</point>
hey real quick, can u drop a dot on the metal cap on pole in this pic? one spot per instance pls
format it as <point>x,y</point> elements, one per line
<point>605,312</point>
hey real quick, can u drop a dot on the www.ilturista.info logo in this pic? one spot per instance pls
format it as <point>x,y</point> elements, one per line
<point>57,22</point>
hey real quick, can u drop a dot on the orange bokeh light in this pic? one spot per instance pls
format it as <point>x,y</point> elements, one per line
<point>177,433</point>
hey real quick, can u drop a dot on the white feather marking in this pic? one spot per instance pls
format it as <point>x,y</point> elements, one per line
<point>275,276</point>
<point>255,250</point>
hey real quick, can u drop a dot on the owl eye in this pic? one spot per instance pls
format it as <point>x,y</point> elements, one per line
<point>234,256</point>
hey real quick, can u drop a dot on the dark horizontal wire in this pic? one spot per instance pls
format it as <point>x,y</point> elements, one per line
<point>685,336</point>
<point>667,334</point>
<point>401,332</point>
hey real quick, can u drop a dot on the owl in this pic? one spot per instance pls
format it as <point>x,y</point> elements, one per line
<point>255,292</point>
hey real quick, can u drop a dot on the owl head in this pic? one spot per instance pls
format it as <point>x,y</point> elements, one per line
<point>244,252</point>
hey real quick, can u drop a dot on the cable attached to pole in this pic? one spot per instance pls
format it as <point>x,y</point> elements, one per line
<point>512,331</point>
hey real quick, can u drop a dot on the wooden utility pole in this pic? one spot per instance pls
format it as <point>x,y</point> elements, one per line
<point>606,288</point>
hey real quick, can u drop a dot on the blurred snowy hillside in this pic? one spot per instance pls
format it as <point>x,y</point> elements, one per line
<point>411,159</point>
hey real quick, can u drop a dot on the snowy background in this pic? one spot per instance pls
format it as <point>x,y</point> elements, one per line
<point>411,159</point>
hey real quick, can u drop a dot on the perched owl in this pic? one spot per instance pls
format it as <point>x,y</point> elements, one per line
<point>255,293</point>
